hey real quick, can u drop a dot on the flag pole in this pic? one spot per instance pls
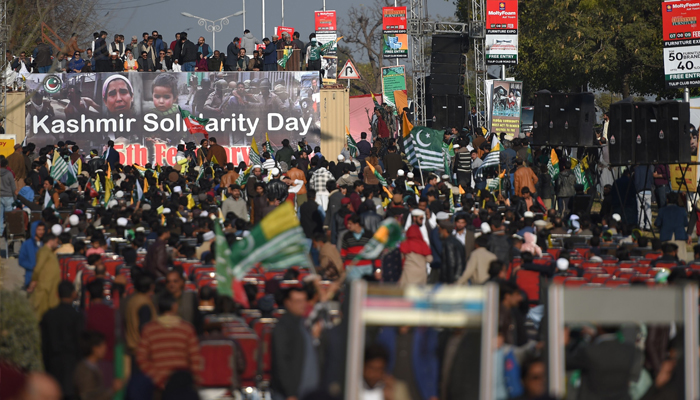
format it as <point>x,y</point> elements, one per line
<point>420,171</point>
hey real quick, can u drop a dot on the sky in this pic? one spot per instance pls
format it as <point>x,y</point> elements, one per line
<point>133,17</point>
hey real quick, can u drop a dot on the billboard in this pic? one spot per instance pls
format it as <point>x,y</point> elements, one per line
<point>681,43</point>
<point>395,37</point>
<point>325,21</point>
<point>326,29</point>
<point>501,32</point>
<point>394,20</point>
<point>139,110</point>
<point>506,100</point>
<point>393,79</point>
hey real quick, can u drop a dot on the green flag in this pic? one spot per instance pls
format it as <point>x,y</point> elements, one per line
<point>59,167</point>
<point>278,233</point>
<point>243,178</point>
<point>388,236</point>
<point>553,165</point>
<point>223,263</point>
<point>379,176</point>
<point>424,148</point>
<point>285,57</point>
<point>352,145</point>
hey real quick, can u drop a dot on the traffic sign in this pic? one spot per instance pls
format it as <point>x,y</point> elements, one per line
<point>349,71</point>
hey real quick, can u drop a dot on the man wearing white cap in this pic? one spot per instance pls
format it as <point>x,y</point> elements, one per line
<point>207,239</point>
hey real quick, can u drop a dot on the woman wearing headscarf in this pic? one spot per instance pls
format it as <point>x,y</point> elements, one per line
<point>416,255</point>
<point>530,245</point>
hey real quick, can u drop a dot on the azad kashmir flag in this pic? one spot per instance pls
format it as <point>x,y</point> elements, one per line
<point>226,285</point>
<point>352,144</point>
<point>243,178</point>
<point>379,176</point>
<point>60,168</point>
<point>269,146</point>
<point>424,148</point>
<point>579,168</point>
<point>278,242</point>
<point>194,124</point>
<point>495,183</point>
<point>388,236</point>
<point>553,165</point>
<point>286,55</point>
<point>254,154</point>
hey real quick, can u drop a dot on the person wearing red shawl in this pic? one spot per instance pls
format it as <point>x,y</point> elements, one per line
<point>416,255</point>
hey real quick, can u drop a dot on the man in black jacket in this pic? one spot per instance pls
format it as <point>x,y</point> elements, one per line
<point>111,155</point>
<point>295,368</point>
<point>232,55</point>
<point>60,334</point>
<point>101,54</point>
<point>453,256</point>
<point>188,54</point>
<point>145,63</point>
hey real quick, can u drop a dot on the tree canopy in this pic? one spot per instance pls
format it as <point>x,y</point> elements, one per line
<point>576,45</point>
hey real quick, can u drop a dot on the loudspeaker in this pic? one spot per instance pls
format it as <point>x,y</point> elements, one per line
<point>621,131</point>
<point>649,133</point>
<point>564,119</point>
<point>448,64</point>
<point>450,44</point>
<point>673,135</point>
<point>449,111</point>
<point>646,123</point>
<point>541,130</point>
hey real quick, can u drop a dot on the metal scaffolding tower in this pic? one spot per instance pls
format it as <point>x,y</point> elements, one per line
<point>4,38</point>
<point>420,29</point>
<point>478,32</point>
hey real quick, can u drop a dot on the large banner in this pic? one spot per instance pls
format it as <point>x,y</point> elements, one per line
<point>506,101</point>
<point>139,110</point>
<point>394,32</point>
<point>393,79</point>
<point>501,31</point>
<point>326,29</point>
<point>681,43</point>
<point>692,173</point>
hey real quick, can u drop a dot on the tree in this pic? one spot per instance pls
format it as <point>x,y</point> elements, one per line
<point>65,17</point>
<point>577,45</point>
<point>362,31</point>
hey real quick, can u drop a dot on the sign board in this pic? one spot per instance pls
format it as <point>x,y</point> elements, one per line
<point>121,107</point>
<point>326,30</point>
<point>681,43</point>
<point>394,37</point>
<point>349,71</point>
<point>280,29</point>
<point>506,100</point>
<point>325,21</point>
<point>7,144</point>
<point>393,78</point>
<point>329,68</point>
<point>394,20</point>
<point>501,32</point>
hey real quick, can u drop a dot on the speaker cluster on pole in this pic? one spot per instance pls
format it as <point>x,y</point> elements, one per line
<point>649,132</point>
<point>563,119</point>
<point>447,77</point>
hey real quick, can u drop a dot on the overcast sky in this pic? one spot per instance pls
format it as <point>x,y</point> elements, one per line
<point>133,17</point>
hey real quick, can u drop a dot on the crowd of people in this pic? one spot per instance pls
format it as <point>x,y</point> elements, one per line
<point>152,54</point>
<point>122,256</point>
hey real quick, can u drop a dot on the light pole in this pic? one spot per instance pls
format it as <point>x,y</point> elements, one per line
<point>213,26</point>
<point>243,14</point>
<point>263,18</point>
<point>283,13</point>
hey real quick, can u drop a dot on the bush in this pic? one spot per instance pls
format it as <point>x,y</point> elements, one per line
<point>20,340</point>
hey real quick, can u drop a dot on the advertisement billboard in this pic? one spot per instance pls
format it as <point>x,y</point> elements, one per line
<point>394,20</point>
<point>393,79</point>
<point>506,100</point>
<point>325,21</point>
<point>501,32</point>
<point>681,43</point>
<point>394,38</point>
<point>139,110</point>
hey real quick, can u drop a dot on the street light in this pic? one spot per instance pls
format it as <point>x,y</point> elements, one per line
<point>213,26</point>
